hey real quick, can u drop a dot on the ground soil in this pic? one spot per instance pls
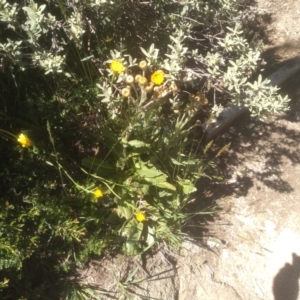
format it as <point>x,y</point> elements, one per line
<point>251,249</point>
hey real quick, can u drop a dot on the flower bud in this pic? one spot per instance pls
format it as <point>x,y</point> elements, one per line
<point>125,92</point>
<point>143,64</point>
<point>129,79</point>
<point>143,81</point>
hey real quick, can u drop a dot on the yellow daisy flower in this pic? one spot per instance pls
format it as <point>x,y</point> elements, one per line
<point>24,140</point>
<point>117,66</point>
<point>98,193</point>
<point>158,77</point>
<point>140,216</point>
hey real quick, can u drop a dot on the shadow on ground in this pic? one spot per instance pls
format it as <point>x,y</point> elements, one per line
<point>286,282</point>
<point>259,153</point>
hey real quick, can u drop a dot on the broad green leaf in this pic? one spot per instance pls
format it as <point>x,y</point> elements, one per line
<point>187,186</point>
<point>125,212</point>
<point>134,231</point>
<point>130,247</point>
<point>145,189</point>
<point>151,174</point>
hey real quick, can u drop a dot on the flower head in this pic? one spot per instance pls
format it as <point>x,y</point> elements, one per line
<point>198,98</point>
<point>158,77</point>
<point>143,64</point>
<point>24,140</point>
<point>129,79</point>
<point>198,123</point>
<point>143,80</point>
<point>137,78</point>
<point>140,216</point>
<point>98,193</point>
<point>125,92</point>
<point>117,66</point>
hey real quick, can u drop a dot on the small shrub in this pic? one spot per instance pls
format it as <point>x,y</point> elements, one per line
<point>99,136</point>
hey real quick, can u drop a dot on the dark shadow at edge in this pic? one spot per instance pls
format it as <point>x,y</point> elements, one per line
<point>286,281</point>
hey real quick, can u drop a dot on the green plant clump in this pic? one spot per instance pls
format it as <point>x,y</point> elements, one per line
<point>101,105</point>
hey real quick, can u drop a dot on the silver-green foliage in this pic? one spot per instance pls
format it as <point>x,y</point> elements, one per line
<point>231,62</point>
<point>234,70</point>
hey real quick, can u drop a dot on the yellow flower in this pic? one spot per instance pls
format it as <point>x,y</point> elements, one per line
<point>140,216</point>
<point>143,80</point>
<point>98,193</point>
<point>125,92</point>
<point>117,67</point>
<point>158,77</point>
<point>24,140</point>
<point>129,79</point>
<point>143,64</point>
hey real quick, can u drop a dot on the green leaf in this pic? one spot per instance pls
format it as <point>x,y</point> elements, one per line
<point>150,236</point>
<point>150,174</point>
<point>138,144</point>
<point>137,233</point>
<point>134,230</point>
<point>28,10</point>
<point>87,58</point>
<point>125,212</point>
<point>145,189</point>
<point>166,185</point>
<point>163,194</point>
<point>187,186</point>
<point>68,75</point>
<point>176,162</point>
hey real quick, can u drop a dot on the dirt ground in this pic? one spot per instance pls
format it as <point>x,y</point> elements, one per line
<point>252,247</point>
